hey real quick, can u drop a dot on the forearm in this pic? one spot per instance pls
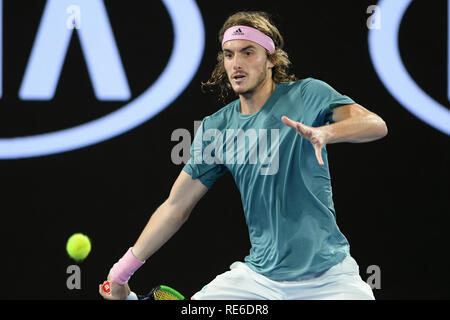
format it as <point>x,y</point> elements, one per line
<point>356,129</point>
<point>163,224</point>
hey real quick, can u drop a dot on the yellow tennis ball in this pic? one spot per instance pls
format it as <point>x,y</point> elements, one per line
<point>78,246</point>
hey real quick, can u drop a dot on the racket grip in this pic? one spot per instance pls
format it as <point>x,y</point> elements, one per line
<point>107,288</point>
<point>132,296</point>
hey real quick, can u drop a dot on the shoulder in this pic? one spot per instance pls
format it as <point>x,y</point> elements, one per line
<point>305,86</point>
<point>312,89</point>
<point>313,85</point>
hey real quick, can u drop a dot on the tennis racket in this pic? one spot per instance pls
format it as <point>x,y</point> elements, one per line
<point>157,293</point>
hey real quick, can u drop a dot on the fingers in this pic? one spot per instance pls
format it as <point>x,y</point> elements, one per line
<point>106,287</point>
<point>105,290</point>
<point>288,122</point>
<point>318,150</point>
<point>308,133</point>
<point>100,290</point>
<point>110,290</point>
<point>297,126</point>
<point>304,130</point>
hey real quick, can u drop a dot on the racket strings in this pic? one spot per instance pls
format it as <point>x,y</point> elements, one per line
<point>164,295</point>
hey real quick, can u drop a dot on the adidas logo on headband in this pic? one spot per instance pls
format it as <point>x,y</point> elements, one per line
<point>238,32</point>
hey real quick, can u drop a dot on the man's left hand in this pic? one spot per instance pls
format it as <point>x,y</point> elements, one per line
<point>316,136</point>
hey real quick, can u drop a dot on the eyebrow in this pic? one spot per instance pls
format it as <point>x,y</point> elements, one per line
<point>243,49</point>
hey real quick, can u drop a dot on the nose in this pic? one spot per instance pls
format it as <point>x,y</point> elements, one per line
<point>237,63</point>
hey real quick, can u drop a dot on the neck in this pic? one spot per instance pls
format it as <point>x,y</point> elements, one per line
<point>255,100</point>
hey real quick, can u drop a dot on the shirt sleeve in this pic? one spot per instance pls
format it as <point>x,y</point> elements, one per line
<point>197,167</point>
<point>320,99</point>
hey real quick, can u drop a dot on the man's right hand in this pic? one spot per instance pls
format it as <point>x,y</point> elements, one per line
<point>116,291</point>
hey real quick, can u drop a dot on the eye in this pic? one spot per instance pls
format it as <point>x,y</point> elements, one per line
<point>249,53</point>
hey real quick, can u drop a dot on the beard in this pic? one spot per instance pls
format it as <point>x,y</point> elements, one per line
<point>257,83</point>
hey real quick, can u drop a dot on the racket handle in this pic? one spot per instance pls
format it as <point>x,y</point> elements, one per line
<point>132,296</point>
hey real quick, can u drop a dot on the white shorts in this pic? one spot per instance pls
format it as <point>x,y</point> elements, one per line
<point>341,282</point>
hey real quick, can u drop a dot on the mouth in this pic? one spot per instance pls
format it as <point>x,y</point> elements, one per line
<point>239,77</point>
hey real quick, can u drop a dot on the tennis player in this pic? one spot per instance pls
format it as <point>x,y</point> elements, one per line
<point>297,250</point>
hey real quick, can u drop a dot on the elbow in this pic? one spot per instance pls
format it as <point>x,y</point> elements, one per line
<point>179,210</point>
<point>185,216</point>
<point>382,129</point>
<point>378,127</point>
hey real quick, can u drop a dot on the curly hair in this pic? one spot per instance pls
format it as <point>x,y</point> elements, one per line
<point>219,82</point>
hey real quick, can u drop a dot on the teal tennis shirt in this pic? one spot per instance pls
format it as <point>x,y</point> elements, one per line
<point>286,195</point>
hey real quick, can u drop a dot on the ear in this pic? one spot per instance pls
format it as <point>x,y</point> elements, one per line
<point>269,63</point>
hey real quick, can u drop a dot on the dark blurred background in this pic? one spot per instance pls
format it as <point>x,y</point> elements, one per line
<point>391,196</point>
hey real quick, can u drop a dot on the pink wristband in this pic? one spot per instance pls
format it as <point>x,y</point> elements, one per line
<point>122,271</point>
